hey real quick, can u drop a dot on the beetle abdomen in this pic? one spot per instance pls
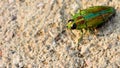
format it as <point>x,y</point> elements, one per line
<point>97,15</point>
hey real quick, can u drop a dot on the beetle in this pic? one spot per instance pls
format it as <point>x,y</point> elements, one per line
<point>90,18</point>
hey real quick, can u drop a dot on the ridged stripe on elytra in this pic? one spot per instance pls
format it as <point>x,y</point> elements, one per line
<point>91,15</point>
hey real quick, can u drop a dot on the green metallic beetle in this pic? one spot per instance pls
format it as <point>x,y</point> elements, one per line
<point>91,17</point>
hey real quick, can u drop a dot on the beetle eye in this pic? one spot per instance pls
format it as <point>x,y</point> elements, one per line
<point>74,26</point>
<point>71,20</point>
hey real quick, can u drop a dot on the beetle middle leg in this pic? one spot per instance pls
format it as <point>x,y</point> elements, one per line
<point>92,30</point>
<point>81,37</point>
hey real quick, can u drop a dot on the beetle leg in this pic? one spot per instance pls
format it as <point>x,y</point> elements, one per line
<point>78,12</point>
<point>86,27</point>
<point>90,30</point>
<point>81,37</point>
<point>104,18</point>
<point>73,33</point>
<point>72,13</point>
<point>95,31</point>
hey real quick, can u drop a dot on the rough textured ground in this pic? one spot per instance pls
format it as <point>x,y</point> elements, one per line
<point>31,36</point>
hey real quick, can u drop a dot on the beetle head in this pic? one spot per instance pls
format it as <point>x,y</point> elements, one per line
<point>71,24</point>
